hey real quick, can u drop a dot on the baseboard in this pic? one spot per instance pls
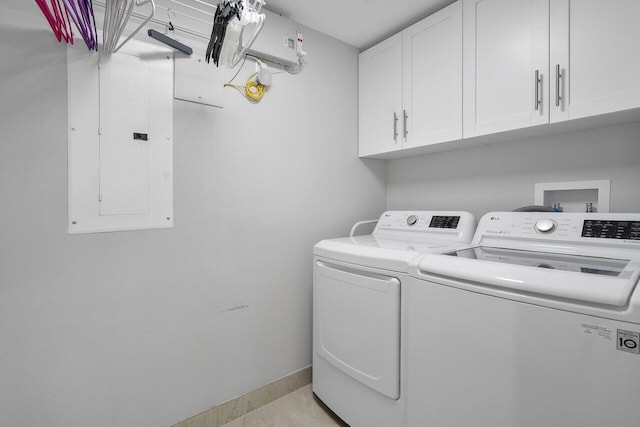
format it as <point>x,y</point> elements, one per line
<point>241,405</point>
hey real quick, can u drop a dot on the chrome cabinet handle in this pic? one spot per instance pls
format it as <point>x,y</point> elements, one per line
<point>537,83</point>
<point>406,131</point>
<point>395,127</point>
<point>558,77</point>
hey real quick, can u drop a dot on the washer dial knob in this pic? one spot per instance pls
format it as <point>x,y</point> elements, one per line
<point>412,220</point>
<point>545,226</point>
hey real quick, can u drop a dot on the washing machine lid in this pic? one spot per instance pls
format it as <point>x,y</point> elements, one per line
<point>376,252</point>
<point>564,262</point>
<point>599,280</point>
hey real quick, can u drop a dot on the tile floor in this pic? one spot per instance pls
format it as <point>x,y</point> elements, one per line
<point>297,409</point>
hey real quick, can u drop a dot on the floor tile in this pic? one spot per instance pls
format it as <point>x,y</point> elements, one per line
<point>297,409</point>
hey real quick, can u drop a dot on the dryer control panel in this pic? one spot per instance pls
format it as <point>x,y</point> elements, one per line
<point>433,223</point>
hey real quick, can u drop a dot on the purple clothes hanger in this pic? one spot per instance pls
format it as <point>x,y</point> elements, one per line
<point>84,19</point>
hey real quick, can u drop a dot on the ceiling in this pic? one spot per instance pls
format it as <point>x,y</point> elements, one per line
<point>360,23</point>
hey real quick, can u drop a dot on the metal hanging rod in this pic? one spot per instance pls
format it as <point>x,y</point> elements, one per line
<point>177,12</point>
<point>191,7</point>
<point>204,3</point>
<point>181,28</point>
<point>193,17</point>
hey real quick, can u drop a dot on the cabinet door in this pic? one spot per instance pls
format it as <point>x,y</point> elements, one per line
<point>380,91</point>
<point>594,45</point>
<point>506,45</point>
<point>432,79</point>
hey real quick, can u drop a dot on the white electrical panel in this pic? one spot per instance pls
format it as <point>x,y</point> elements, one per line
<point>120,144</point>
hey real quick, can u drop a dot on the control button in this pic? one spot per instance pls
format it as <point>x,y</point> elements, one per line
<point>412,220</point>
<point>545,226</point>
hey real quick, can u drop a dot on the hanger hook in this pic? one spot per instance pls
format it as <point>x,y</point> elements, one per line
<point>171,14</point>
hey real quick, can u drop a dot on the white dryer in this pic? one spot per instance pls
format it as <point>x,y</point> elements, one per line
<point>537,323</point>
<point>357,312</point>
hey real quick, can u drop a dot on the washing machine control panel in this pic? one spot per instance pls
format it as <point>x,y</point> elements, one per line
<point>562,226</point>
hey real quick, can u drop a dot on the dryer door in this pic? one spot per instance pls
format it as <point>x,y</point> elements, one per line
<point>357,325</point>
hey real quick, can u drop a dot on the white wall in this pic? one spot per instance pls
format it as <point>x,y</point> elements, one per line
<point>147,328</point>
<point>501,177</point>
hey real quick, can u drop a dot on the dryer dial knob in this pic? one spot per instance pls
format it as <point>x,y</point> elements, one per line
<point>545,226</point>
<point>412,220</point>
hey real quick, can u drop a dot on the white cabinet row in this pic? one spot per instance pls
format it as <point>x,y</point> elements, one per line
<point>482,67</point>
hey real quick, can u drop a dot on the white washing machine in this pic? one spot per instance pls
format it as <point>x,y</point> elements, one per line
<point>536,323</point>
<point>358,314</point>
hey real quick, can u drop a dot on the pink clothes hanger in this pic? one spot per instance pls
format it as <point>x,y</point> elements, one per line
<point>60,12</point>
<point>53,22</point>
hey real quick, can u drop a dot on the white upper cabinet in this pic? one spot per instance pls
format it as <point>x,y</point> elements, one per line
<point>432,79</point>
<point>595,66</point>
<point>506,63</point>
<point>478,68</point>
<point>411,86</point>
<point>380,102</point>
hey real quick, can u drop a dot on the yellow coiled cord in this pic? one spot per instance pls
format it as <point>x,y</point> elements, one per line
<point>252,89</point>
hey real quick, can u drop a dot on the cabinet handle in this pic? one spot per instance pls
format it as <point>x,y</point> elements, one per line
<point>558,77</point>
<point>395,127</point>
<point>406,131</point>
<point>537,83</point>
